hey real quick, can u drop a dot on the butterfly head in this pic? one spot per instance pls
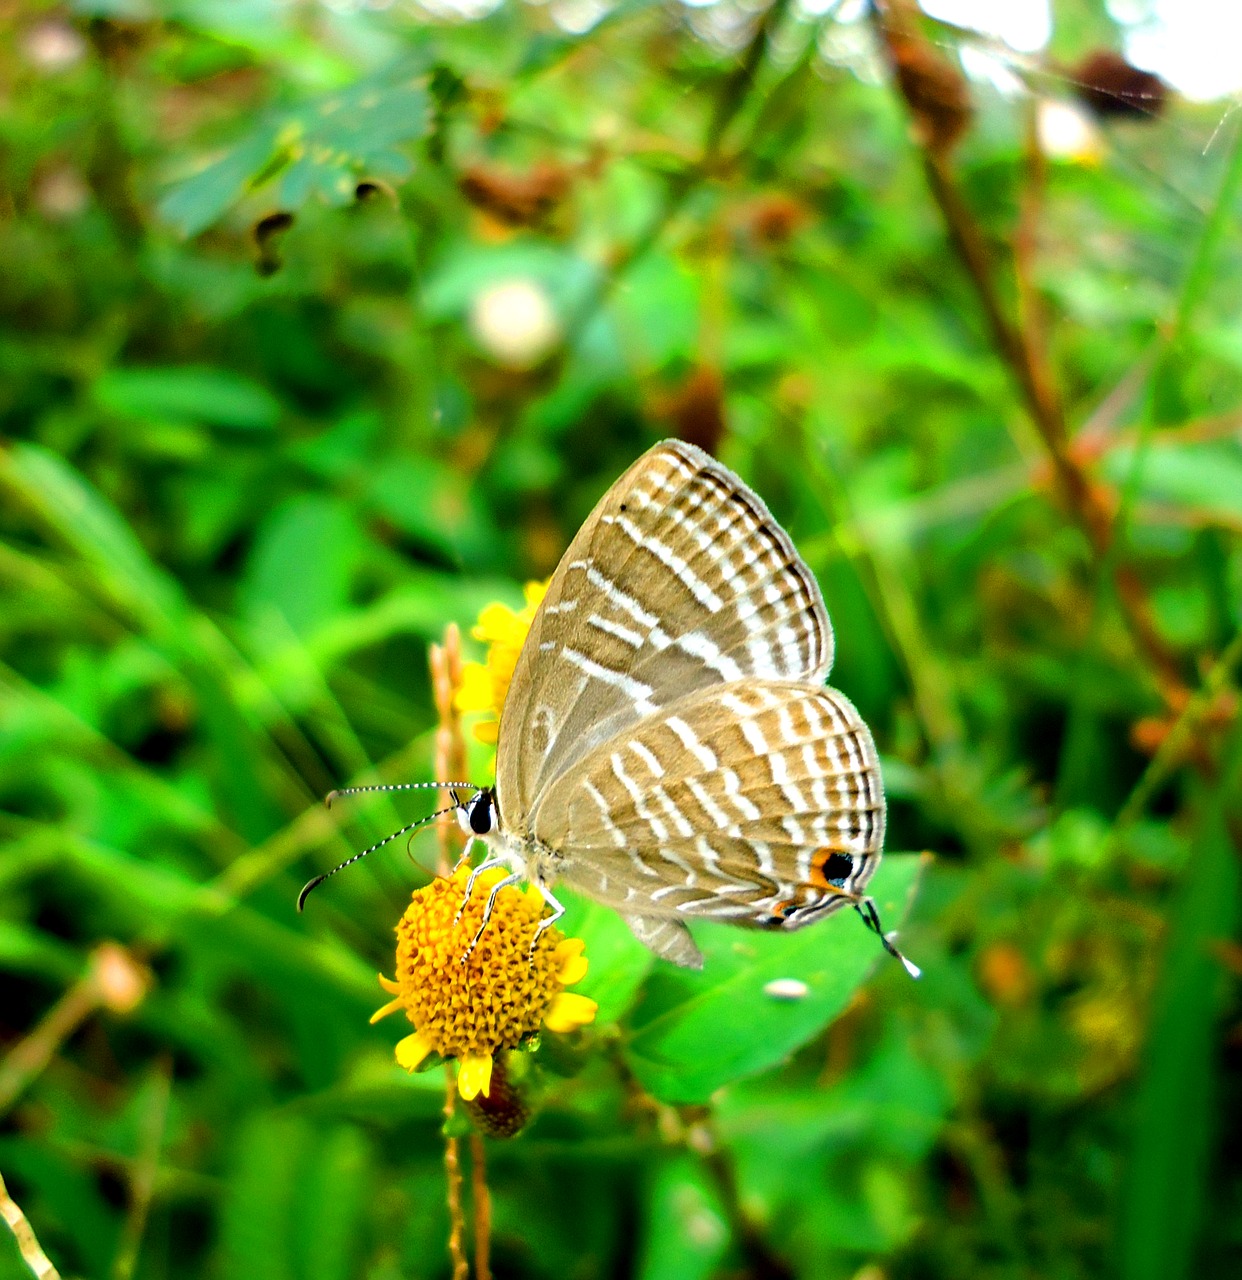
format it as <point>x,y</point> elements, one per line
<point>477,816</point>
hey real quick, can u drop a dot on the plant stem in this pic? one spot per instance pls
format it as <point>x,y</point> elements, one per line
<point>27,1242</point>
<point>482,1209</point>
<point>452,1171</point>
<point>143,1172</point>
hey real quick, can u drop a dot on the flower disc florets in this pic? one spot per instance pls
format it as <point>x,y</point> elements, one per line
<point>496,998</point>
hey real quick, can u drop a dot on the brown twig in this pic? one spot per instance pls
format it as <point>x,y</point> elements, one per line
<point>450,755</point>
<point>113,980</point>
<point>482,1209</point>
<point>1024,360</point>
<point>450,762</point>
<point>1026,238</point>
<point>27,1242</point>
<point>1025,356</point>
<point>452,1171</point>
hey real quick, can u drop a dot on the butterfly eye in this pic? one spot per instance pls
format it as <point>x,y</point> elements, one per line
<point>481,813</point>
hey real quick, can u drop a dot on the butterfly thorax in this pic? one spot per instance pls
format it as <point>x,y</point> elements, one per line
<point>532,859</point>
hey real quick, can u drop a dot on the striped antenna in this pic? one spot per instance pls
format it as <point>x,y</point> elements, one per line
<point>397,786</point>
<point>318,880</point>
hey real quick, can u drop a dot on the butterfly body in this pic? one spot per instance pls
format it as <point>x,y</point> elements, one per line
<point>667,746</point>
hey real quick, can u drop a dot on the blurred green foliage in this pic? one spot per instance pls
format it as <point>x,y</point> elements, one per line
<point>322,325</point>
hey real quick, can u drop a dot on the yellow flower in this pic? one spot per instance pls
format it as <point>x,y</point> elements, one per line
<point>485,684</point>
<point>500,996</point>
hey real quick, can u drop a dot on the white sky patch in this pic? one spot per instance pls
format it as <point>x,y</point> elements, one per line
<point>1024,25</point>
<point>1193,44</point>
<point>577,16</point>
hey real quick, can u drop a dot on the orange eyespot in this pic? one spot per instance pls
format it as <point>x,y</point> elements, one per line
<point>828,865</point>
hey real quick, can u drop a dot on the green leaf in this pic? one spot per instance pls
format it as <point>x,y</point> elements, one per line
<point>687,1232</point>
<point>96,530</point>
<point>302,565</point>
<point>257,1237</point>
<point>618,962</point>
<point>320,148</point>
<point>331,1196</point>
<point>1203,476</point>
<point>420,499</point>
<point>205,196</point>
<point>188,394</point>
<point>24,949</point>
<point>356,132</point>
<point>694,1032</point>
<point>473,268</point>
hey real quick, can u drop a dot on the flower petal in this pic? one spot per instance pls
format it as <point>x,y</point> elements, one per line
<point>393,988</point>
<point>391,1007</point>
<point>475,693</point>
<point>497,623</point>
<point>568,1012</point>
<point>474,1076</point>
<point>573,964</point>
<point>488,732</point>
<point>412,1050</point>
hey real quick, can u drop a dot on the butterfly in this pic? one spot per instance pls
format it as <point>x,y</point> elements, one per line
<point>668,746</point>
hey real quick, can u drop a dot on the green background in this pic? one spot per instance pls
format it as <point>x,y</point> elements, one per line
<point>252,464</point>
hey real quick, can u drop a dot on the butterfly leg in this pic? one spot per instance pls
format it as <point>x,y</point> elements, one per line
<point>511,878</point>
<point>465,854</point>
<point>547,922</point>
<point>488,864</point>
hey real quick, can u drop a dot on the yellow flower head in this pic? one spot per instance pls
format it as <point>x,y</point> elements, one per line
<point>500,996</point>
<point>485,684</point>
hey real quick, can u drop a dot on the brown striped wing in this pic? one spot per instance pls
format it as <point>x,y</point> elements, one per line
<point>679,580</point>
<point>757,802</point>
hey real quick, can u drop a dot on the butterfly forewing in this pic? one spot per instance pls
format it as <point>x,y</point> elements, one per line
<point>679,580</point>
<point>757,801</point>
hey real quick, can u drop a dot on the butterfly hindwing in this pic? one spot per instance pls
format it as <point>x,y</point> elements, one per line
<point>668,938</point>
<point>758,802</point>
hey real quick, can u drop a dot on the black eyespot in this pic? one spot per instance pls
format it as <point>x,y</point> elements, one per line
<point>839,867</point>
<point>481,814</point>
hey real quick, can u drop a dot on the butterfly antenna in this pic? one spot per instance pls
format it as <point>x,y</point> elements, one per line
<point>396,786</point>
<point>871,918</point>
<point>318,880</point>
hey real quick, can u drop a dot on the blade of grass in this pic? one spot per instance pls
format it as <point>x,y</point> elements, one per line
<point>1171,1147</point>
